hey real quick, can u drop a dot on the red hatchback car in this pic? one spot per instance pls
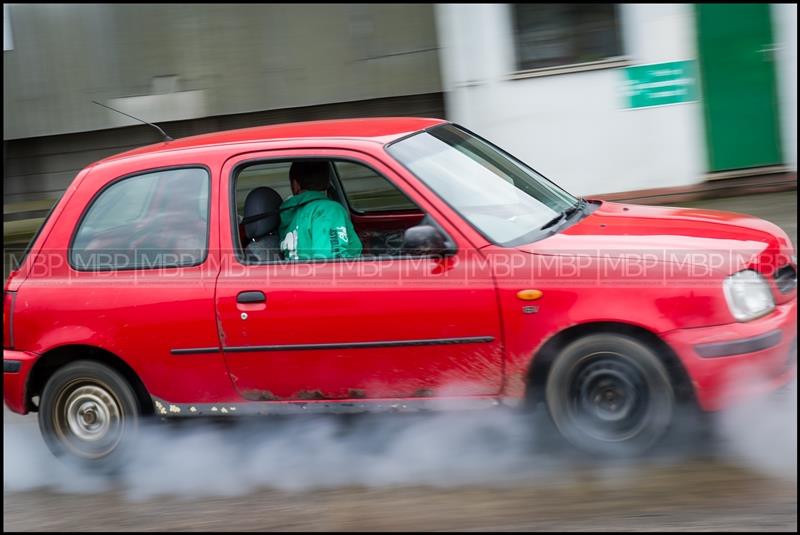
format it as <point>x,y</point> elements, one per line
<point>154,288</point>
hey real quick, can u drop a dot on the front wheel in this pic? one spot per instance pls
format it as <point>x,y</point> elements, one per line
<point>88,413</point>
<point>610,395</point>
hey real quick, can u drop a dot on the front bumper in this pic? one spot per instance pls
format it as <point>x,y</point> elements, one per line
<point>14,382</point>
<point>730,363</point>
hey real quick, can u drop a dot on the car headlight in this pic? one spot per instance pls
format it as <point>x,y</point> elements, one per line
<point>748,295</point>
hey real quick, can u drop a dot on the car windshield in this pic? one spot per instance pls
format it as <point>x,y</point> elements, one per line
<point>501,197</point>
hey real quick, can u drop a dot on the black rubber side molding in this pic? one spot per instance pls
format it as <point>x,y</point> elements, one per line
<point>194,350</point>
<point>738,347</point>
<point>336,345</point>
<point>361,345</point>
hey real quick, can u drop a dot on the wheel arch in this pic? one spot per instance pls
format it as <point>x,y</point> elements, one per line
<point>51,361</point>
<point>543,359</point>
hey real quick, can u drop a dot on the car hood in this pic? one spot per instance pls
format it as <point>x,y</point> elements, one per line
<point>728,241</point>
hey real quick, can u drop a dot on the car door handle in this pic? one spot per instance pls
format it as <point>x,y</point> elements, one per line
<point>253,296</point>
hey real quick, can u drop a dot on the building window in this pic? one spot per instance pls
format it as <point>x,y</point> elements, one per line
<point>550,35</point>
<point>8,41</point>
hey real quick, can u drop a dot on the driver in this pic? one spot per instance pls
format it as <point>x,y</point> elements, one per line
<point>313,226</point>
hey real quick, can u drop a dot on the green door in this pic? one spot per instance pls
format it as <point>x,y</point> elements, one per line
<point>737,72</point>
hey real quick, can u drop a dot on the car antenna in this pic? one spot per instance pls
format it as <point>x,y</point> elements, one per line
<point>166,137</point>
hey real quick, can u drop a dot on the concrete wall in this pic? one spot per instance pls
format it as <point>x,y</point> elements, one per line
<point>575,127</point>
<point>172,62</point>
<point>38,170</point>
<point>193,68</point>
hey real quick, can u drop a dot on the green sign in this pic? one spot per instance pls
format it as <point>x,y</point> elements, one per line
<point>660,83</point>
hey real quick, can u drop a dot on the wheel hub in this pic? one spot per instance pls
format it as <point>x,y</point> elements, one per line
<point>91,413</point>
<point>609,396</point>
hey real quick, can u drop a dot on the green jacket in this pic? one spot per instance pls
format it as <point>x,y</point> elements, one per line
<point>313,226</point>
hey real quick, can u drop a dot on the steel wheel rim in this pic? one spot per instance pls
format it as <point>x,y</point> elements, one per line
<point>608,397</point>
<point>89,419</point>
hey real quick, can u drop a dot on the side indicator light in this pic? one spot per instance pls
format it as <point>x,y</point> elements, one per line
<point>529,295</point>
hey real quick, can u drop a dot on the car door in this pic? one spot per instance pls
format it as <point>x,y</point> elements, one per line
<point>357,328</point>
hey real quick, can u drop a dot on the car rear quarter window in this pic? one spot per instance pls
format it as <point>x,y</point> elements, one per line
<point>151,220</point>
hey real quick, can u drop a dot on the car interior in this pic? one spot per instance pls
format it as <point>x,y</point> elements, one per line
<point>380,212</point>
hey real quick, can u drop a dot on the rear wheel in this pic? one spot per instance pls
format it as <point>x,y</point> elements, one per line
<point>611,395</point>
<point>88,413</point>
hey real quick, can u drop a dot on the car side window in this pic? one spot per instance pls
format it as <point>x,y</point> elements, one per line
<point>274,175</point>
<point>368,192</point>
<point>152,220</point>
<point>380,212</point>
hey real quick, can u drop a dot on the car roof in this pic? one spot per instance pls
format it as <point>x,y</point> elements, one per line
<point>379,129</point>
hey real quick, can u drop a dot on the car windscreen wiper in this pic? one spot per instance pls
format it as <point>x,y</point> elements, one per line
<point>566,214</point>
<point>569,212</point>
<point>553,221</point>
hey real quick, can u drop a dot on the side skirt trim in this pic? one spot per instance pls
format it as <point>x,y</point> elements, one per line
<point>263,408</point>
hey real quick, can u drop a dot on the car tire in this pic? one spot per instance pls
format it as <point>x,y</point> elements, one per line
<point>88,414</point>
<point>610,395</point>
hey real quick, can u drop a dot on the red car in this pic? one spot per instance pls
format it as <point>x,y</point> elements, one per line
<point>480,282</point>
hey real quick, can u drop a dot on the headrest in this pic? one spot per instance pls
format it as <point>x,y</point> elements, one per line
<point>261,212</point>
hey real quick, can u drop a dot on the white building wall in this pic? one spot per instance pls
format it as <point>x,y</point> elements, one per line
<point>784,19</point>
<point>575,128</point>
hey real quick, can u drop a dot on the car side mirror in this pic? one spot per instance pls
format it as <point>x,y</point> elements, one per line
<point>424,240</point>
